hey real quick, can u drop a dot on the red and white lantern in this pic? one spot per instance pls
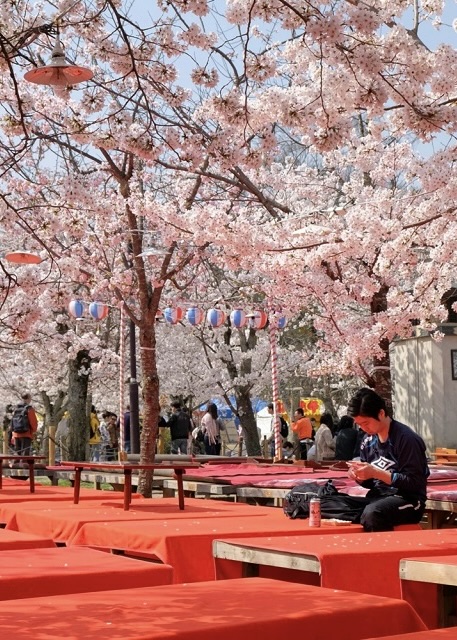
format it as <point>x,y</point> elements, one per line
<point>173,315</point>
<point>98,310</point>
<point>258,320</point>
<point>215,317</point>
<point>76,308</point>
<point>195,316</point>
<point>238,318</point>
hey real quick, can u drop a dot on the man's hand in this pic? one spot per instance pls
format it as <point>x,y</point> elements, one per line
<point>361,471</point>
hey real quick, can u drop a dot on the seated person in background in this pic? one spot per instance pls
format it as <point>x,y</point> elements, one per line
<point>346,439</point>
<point>393,465</point>
<point>324,440</point>
<point>287,450</point>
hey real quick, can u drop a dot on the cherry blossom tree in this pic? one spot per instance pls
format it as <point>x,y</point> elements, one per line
<point>211,135</point>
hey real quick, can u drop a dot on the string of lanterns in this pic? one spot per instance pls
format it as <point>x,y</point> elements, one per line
<point>194,315</point>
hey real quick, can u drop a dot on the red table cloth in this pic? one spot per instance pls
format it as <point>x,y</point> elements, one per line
<point>16,493</point>
<point>226,610</point>
<point>17,540</point>
<point>50,572</point>
<point>367,562</point>
<point>186,543</point>
<point>62,521</point>
<point>435,634</point>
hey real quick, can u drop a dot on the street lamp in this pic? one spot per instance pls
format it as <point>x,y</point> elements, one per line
<point>22,257</point>
<point>59,72</point>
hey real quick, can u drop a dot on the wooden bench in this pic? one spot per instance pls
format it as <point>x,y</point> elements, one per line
<point>192,488</point>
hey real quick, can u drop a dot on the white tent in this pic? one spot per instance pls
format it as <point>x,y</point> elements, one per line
<point>263,419</point>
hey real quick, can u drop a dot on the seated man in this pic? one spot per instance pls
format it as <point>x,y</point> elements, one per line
<point>393,465</point>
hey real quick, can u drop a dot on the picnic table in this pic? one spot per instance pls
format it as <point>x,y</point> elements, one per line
<point>28,459</point>
<point>255,608</point>
<point>440,574</point>
<point>127,469</point>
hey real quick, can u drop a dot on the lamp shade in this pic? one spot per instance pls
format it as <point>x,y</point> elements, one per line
<point>59,71</point>
<point>98,310</point>
<point>76,308</point>
<point>258,320</point>
<point>195,316</point>
<point>238,318</point>
<point>22,257</point>
<point>215,317</point>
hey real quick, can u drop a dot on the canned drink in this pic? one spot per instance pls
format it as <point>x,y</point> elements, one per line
<point>315,512</point>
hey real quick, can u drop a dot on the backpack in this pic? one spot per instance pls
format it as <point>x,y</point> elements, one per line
<point>20,420</point>
<point>333,504</point>
<point>284,427</point>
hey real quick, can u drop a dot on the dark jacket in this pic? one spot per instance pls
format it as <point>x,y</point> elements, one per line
<point>180,425</point>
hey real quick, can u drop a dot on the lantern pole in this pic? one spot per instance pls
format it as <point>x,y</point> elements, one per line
<point>275,387</point>
<point>134,400</point>
<point>121,453</point>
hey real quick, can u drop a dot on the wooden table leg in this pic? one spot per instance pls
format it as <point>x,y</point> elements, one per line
<point>178,476</point>
<point>32,475</point>
<point>127,488</point>
<point>77,487</point>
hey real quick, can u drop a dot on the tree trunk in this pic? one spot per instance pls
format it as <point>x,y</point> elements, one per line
<point>78,379</point>
<point>151,408</point>
<point>247,419</point>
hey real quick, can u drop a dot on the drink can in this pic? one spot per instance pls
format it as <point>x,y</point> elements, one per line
<point>315,512</point>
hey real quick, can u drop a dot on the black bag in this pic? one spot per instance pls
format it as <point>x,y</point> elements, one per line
<point>333,504</point>
<point>20,420</point>
<point>284,427</point>
<point>200,437</point>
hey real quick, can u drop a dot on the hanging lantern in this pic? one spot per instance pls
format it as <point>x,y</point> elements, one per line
<point>238,318</point>
<point>173,315</point>
<point>76,308</point>
<point>59,71</point>
<point>281,322</point>
<point>258,320</point>
<point>215,317</point>
<point>195,315</point>
<point>98,310</point>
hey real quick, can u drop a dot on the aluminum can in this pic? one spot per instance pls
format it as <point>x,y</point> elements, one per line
<point>315,512</point>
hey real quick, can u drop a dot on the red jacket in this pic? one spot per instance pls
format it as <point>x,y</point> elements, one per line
<point>33,422</point>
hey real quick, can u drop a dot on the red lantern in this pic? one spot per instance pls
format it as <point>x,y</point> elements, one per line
<point>258,319</point>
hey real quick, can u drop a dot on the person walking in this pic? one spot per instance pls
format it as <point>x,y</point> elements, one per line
<point>393,465</point>
<point>24,425</point>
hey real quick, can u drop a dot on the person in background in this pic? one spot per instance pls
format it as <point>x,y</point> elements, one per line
<point>303,429</point>
<point>62,433</point>
<point>287,450</point>
<point>324,440</point>
<point>127,429</point>
<point>111,425</point>
<point>94,437</point>
<point>23,439</point>
<point>393,465</point>
<point>180,426</point>
<point>105,440</point>
<point>210,429</point>
<point>7,424</point>
<point>345,439</point>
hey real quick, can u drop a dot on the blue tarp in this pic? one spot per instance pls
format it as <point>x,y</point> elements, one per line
<point>226,413</point>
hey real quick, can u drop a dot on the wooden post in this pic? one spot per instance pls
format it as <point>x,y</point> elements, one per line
<point>5,442</point>
<point>52,445</point>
